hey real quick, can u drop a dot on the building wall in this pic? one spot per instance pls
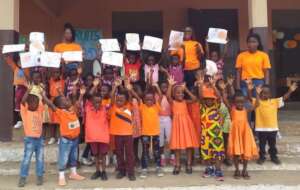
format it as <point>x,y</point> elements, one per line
<point>97,14</point>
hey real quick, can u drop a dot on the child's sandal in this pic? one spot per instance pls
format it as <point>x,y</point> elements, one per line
<point>245,175</point>
<point>237,174</point>
<point>176,170</point>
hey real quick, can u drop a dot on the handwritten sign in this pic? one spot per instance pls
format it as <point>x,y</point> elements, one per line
<point>13,48</point>
<point>211,68</point>
<point>175,40</point>
<point>50,59</point>
<point>217,35</point>
<point>112,58</point>
<point>152,44</point>
<point>28,60</point>
<point>36,47</point>
<point>37,37</point>
<point>133,42</point>
<point>109,45</point>
<point>72,56</point>
<point>88,39</point>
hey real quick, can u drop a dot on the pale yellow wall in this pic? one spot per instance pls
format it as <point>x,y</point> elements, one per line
<point>9,15</point>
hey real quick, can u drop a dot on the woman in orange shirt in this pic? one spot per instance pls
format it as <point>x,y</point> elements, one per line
<point>253,64</point>
<point>68,44</point>
<point>193,57</point>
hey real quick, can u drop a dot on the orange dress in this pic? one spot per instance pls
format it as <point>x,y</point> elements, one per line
<point>183,134</point>
<point>194,111</point>
<point>241,141</point>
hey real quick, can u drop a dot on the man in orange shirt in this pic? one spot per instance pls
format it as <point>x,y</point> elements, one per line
<point>32,116</point>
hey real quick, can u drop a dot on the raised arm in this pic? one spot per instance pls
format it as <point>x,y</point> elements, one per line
<point>207,51</point>
<point>25,96</point>
<point>96,83</point>
<point>117,83</point>
<point>47,101</point>
<point>292,89</point>
<point>170,87</point>
<point>230,87</point>
<point>190,94</point>
<point>158,92</point>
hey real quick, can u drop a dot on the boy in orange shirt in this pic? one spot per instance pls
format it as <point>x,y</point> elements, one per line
<point>69,131</point>
<point>32,116</point>
<point>121,128</point>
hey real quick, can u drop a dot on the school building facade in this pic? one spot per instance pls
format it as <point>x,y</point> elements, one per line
<point>113,18</point>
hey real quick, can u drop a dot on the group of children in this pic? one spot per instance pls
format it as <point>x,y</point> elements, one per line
<point>149,104</point>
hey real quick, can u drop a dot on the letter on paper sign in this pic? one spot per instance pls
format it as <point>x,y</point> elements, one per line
<point>175,40</point>
<point>109,45</point>
<point>72,56</point>
<point>112,58</point>
<point>217,35</point>
<point>13,48</point>
<point>133,42</point>
<point>152,44</point>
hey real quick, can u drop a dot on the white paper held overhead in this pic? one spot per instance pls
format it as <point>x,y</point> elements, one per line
<point>37,37</point>
<point>112,58</point>
<point>217,35</point>
<point>109,45</point>
<point>152,44</point>
<point>133,41</point>
<point>72,56</point>
<point>13,48</point>
<point>175,39</point>
<point>29,59</point>
<point>50,59</point>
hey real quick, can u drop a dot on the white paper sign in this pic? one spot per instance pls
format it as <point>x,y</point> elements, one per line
<point>112,58</point>
<point>109,45</point>
<point>152,44</point>
<point>133,42</point>
<point>217,35</point>
<point>72,56</point>
<point>211,68</point>
<point>175,40</point>
<point>50,59</point>
<point>13,48</point>
<point>37,37</point>
<point>28,59</point>
<point>96,68</point>
<point>36,47</point>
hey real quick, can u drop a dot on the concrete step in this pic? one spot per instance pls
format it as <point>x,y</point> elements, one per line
<point>288,164</point>
<point>267,180</point>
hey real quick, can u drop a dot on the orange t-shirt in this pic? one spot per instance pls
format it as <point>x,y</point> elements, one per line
<point>150,119</point>
<point>63,47</point>
<point>54,85</point>
<point>253,64</point>
<point>68,122</point>
<point>19,73</point>
<point>32,120</point>
<point>192,61</point>
<point>106,103</point>
<point>121,121</point>
<point>96,124</point>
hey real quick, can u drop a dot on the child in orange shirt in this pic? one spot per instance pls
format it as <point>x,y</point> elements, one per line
<point>149,110</point>
<point>183,134</point>
<point>121,128</point>
<point>97,133</point>
<point>32,116</point>
<point>69,131</point>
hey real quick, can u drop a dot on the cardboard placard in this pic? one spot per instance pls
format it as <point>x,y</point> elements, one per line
<point>217,35</point>
<point>133,41</point>
<point>109,45</point>
<point>13,48</point>
<point>72,56</point>
<point>152,44</point>
<point>175,39</point>
<point>112,58</point>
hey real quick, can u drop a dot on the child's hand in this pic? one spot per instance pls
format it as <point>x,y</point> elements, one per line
<point>250,85</point>
<point>79,70</point>
<point>183,85</point>
<point>161,68</point>
<point>96,82</point>
<point>258,89</point>
<point>200,77</point>
<point>212,80</point>
<point>82,90</point>
<point>118,82</point>
<point>128,86</point>
<point>222,85</point>
<point>171,80</point>
<point>293,87</point>
<point>230,80</point>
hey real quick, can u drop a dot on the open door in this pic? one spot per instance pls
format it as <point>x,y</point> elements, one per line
<point>202,20</point>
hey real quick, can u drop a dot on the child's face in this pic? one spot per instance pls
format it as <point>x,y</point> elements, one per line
<point>68,35</point>
<point>36,78</point>
<point>214,56</point>
<point>252,44</point>
<point>73,74</point>
<point>175,60</point>
<point>265,93</point>
<point>239,102</point>
<point>131,58</point>
<point>97,102</point>
<point>179,93</point>
<point>149,99</point>
<point>89,81</point>
<point>33,104</point>
<point>104,91</point>
<point>121,100</point>
<point>109,74</point>
<point>188,33</point>
<point>164,88</point>
<point>65,103</point>
<point>151,60</point>
<point>209,102</point>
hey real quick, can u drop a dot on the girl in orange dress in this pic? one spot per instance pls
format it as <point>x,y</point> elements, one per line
<point>183,133</point>
<point>241,143</point>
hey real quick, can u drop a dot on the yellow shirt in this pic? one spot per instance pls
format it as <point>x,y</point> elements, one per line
<point>266,114</point>
<point>253,64</point>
